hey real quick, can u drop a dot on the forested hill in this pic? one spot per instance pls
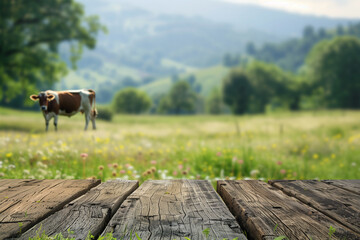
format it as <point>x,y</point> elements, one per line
<point>195,33</point>
<point>242,16</point>
<point>148,40</point>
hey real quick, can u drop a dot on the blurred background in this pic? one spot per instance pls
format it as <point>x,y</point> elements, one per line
<point>184,57</point>
<point>204,89</point>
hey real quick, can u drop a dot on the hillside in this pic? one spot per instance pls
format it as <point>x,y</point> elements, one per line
<point>159,39</point>
<point>207,78</point>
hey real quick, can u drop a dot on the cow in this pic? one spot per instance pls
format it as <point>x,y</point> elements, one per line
<point>67,103</point>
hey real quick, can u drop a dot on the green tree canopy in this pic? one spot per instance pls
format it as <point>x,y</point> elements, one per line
<point>31,33</point>
<point>131,100</point>
<point>214,103</point>
<point>271,84</point>
<point>334,68</point>
<point>180,100</point>
<point>237,90</point>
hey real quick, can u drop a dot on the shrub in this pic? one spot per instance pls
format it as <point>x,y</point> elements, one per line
<point>131,101</point>
<point>105,113</point>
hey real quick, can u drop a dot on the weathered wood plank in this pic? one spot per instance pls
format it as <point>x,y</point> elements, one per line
<point>23,206</point>
<point>261,209</point>
<point>89,213</point>
<point>336,203</point>
<point>349,185</point>
<point>6,184</point>
<point>173,209</point>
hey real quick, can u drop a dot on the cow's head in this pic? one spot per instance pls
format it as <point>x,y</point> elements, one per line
<point>44,99</point>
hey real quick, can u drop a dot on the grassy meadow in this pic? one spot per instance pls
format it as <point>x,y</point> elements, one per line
<point>304,145</point>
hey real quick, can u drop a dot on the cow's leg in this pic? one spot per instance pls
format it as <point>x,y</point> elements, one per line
<point>47,125</point>
<point>47,119</point>
<point>93,121</point>
<point>87,119</point>
<point>56,121</point>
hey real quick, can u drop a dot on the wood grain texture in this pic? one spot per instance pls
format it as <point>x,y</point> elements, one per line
<point>173,209</point>
<point>22,206</point>
<point>349,185</point>
<point>265,212</point>
<point>89,213</point>
<point>336,203</point>
<point>6,184</point>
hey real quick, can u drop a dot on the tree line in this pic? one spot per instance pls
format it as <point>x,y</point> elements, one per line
<point>319,70</point>
<point>330,79</point>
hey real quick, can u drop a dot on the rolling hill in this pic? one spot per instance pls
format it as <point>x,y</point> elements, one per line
<point>150,41</point>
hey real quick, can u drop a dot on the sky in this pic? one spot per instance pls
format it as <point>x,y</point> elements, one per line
<point>330,8</point>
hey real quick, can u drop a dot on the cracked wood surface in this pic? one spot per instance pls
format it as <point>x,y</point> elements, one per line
<point>174,209</point>
<point>334,202</point>
<point>349,185</point>
<point>23,203</point>
<point>265,212</point>
<point>89,213</point>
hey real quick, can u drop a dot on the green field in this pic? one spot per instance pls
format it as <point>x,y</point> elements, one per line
<point>306,145</point>
<point>208,78</point>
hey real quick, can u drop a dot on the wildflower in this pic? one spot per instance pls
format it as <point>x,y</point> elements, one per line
<point>184,172</point>
<point>279,163</point>
<point>254,172</point>
<point>175,173</point>
<point>122,171</point>
<point>241,161</point>
<point>9,155</point>
<point>153,169</point>
<point>101,167</point>
<point>218,154</point>
<point>114,174</point>
<point>180,166</point>
<point>333,156</point>
<point>148,172</point>
<point>115,165</point>
<point>315,156</point>
<point>11,166</point>
<point>283,171</point>
<point>84,155</point>
<point>153,162</point>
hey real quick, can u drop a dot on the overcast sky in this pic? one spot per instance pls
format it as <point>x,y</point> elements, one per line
<point>330,8</point>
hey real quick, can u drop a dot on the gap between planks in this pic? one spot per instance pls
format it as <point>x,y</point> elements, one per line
<point>266,212</point>
<point>23,203</point>
<point>88,214</point>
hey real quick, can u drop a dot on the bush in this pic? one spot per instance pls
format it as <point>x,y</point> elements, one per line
<point>105,113</point>
<point>131,101</point>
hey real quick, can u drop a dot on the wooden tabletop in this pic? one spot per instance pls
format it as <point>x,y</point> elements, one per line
<point>181,209</point>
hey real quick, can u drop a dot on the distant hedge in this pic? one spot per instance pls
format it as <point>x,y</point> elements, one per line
<point>105,113</point>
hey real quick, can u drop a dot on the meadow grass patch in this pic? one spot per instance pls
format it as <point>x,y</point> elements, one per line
<point>282,146</point>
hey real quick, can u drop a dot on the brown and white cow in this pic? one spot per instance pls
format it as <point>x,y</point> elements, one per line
<point>67,103</point>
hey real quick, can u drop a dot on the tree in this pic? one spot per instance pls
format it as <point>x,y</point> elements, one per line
<point>31,34</point>
<point>131,100</point>
<point>180,100</point>
<point>334,67</point>
<point>237,90</point>
<point>214,103</point>
<point>250,48</point>
<point>269,84</point>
